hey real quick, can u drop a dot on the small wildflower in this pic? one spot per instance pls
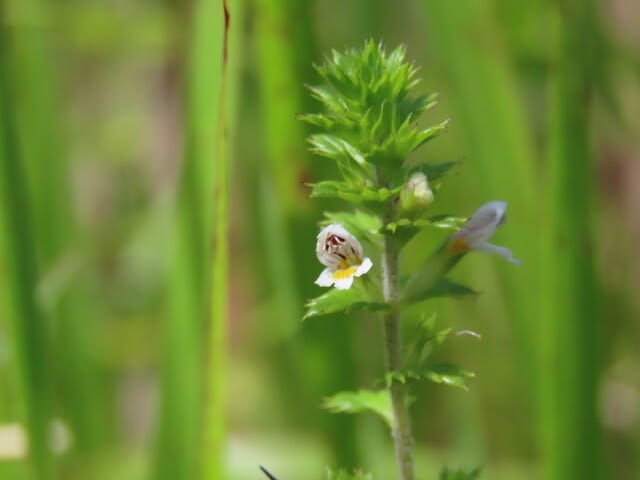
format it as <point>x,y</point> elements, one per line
<point>479,228</point>
<point>342,254</point>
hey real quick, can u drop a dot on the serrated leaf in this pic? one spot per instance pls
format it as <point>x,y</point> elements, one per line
<point>374,199</point>
<point>350,300</point>
<point>351,162</point>
<point>396,57</point>
<point>460,474</point>
<point>430,133</point>
<point>329,96</point>
<point>317,119</point>
<point>444,373</point>
<point>447,222</point>
<point>376,401</point>
<point>400,376</point>
<point>448,374</point>
<point>336,148</point>
<point>404,229</point>
<point>415,106</point>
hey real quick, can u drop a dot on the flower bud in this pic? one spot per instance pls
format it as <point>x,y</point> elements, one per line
<point>416,196</point>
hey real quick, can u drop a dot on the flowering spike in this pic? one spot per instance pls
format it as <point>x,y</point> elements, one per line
<point>366,101</point>
<point>342,254</point>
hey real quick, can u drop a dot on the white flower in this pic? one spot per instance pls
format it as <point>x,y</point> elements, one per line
<point>341,253</point>
<point>479,228</point>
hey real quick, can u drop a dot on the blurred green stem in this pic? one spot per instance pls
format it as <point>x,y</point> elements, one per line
<point>568,336</point>
<point>212,464</point>
<point>402,438</point>
<point>183,423</point>
<point>31,338</point>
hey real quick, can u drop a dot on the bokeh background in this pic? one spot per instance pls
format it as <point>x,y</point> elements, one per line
<point>157,243</point>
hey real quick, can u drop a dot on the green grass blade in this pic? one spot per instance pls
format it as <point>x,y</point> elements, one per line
<point>284,41</point>
<point>49,186</point>
<point>213,449</point>
<point>280,45</point>
<point>480,84</point>
<point>30,335</point>
<point>181,413</point>
<point>569,309</point>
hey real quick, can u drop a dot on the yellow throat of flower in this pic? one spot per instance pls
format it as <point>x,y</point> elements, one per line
<point>344,273</point>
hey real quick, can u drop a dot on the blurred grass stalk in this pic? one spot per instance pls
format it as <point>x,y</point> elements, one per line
<point>284,42</point>
<point>469,48</point>
<point>41,196</point>
<point>570,297</point>
<point>280,91</point>
<point>30,332</point>
<point>60,293</point>
<point>192,422</point>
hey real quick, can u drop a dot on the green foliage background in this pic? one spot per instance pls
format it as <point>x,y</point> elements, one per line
<point>156,240</point>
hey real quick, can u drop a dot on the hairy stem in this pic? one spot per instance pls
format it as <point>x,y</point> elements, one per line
<point>402,438</point>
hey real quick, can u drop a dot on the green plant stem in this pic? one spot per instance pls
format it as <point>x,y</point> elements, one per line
<point>214,427</point>
<point>402,438</point>
<point>30,336</point>
<point>570,436</point>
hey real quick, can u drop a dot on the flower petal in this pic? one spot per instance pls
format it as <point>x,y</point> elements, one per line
<point>344,283</point>
<point>496,250</point>
<point>325,279</point>
<point>335,247</point>
<point>364,267</point>
<point>483,223</point>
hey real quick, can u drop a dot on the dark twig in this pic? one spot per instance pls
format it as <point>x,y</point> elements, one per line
<point>264,470</point>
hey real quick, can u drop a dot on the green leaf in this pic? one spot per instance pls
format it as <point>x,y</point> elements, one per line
<point>444,373</point>
<point>329,96</point>
<point>364,226</point>
<point>350,300</point>
<point>430,133</point>
<point>459,474</point>
<point>344,475</point>
<point>424,342</point>
<point>447,222</point>
<point>404,229</point>
<point>405,226</point>
<point>336,148</point>
<point>428,281</point>
<point>351,162</point>
<point>416,106</point>
<point>401,376</point>
<point>448,374</point>
<point>318,119</point>
<point>444,288</point>
<point>376,401</point>
<point>374,199</point>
